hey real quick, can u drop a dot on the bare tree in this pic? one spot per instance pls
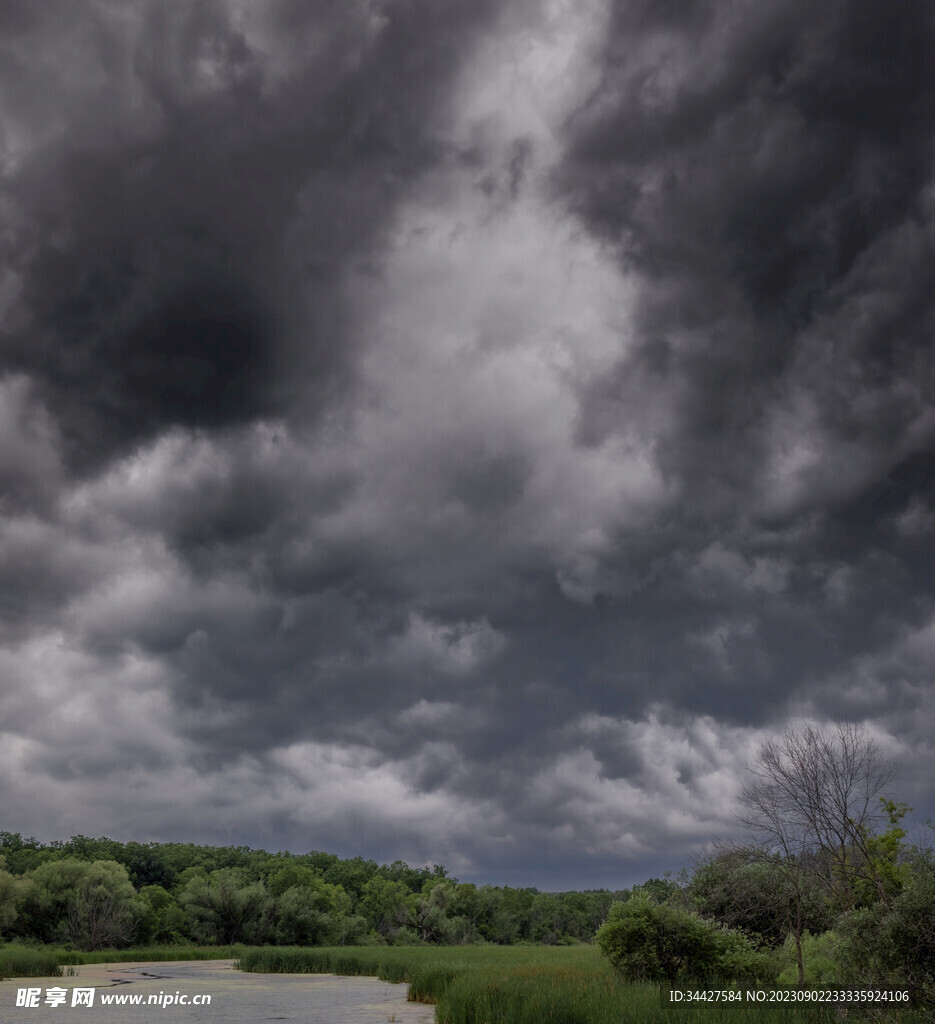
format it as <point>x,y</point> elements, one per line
<point>815,802</point>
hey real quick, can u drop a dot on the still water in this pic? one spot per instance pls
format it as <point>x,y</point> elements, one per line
<point>236,997</point>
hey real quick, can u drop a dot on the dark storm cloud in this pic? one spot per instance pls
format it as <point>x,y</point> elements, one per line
<point>189,185</point>
<point>734,133</point>
<point>186,188</point>
<point>758,163</point>
<point>766,170</point>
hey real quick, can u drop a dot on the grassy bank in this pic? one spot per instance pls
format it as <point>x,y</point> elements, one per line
<point>19,961</point>
<point>526,985</point>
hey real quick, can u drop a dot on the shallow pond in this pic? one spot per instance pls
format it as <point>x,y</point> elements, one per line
<point>236,997</point>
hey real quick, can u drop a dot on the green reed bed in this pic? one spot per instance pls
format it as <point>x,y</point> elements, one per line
<point>529,985</point>
<point>569,996</point>
<point>147,953</point>
<point>18,961</point>
<point>429,971</point>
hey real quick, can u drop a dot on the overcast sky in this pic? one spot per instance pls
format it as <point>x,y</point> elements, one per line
<point>460,430</point>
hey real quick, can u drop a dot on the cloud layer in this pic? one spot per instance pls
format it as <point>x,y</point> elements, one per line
<point>459,432</point>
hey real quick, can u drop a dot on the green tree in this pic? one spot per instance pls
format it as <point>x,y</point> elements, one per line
<point>290,875</point>
<point>546,918</point>
<point>428,913</point>
<point>386,905</point>
<point>90,904</point>
<point>24,855</point>
<point>311,913</point>
<point>352,874</point>
<point>413,878</point>
<point>10,894</point>
<point>508,913</point>
<point>882,856</point>
<point>660,889</point>
<point>749,889</point>
<point>105,910</point>
<point>349,928</point>
<point>163,920</point>
<point>649,941</point>
<point>224,908</point>
<point>148,865</point>
<point>89,849</point>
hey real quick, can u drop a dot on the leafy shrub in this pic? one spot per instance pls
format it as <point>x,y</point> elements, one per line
<point>820,958</point>
<point>648,941</point>
<point>894,943</point>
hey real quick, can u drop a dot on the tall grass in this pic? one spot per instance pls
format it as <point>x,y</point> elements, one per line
<point>164,953</point>
<point>17,961</point>
<point>27,962</point>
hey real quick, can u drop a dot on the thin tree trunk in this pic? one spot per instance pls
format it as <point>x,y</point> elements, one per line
<point>798,956</point>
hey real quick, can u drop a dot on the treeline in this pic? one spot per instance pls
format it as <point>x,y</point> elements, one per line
<point>97,893</point>
<point>749,917</point>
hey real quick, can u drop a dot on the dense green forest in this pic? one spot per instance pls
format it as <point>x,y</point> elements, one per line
<point>94,893</point>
